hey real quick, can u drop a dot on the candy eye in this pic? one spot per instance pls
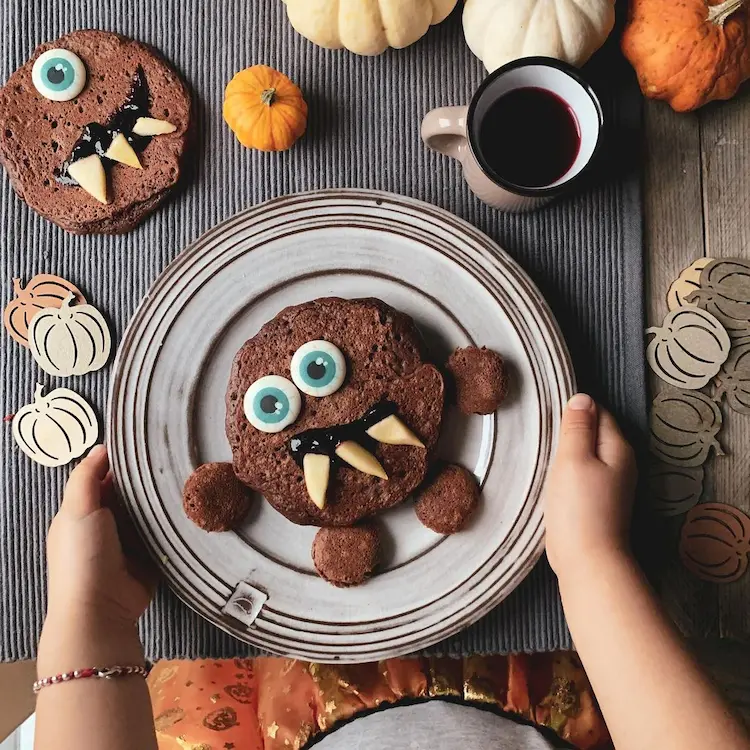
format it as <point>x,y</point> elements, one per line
<point>272,403</point>
<point>318,368</point>
<point>59,75</point>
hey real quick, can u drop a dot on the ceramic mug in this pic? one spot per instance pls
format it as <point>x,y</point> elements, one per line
<point>454,131</point>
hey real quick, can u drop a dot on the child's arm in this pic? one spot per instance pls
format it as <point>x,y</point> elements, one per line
<point>94,604</point>
<point>651,691</point>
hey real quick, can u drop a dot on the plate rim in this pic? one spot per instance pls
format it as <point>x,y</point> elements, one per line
<point>488,250</point>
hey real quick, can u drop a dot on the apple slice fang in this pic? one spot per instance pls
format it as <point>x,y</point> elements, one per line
<point>317,470</point>
<point>147,126</point>
<point>392,431</point>
<point>120,150</point>
<point>89,174</point>
<point>356,456</point>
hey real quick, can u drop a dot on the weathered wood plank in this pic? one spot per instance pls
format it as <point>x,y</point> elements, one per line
<point>725,162</point>
<point>674,236</point>
<point>728,663</point>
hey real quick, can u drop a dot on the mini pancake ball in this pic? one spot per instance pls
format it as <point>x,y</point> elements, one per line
<point>481,379</point>
<point>448,501</point>
<point>346,556</point>
<point>214,498</point>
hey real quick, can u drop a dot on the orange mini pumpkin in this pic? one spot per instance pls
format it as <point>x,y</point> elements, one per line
<point>42,291</point>
<point>691,52</point>
<point>264,109</point>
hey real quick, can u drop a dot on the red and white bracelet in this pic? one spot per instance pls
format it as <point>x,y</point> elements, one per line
<point>83,674</point>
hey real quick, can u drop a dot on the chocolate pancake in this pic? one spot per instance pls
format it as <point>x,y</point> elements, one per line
<point>214,499</point>
<point>449,500</point>
<point>346,556</point>
<point>124,80</point>
<point>384,369</point>
<point>480,378</point>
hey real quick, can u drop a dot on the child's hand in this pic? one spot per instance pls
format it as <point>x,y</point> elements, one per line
<point>89,577</point>
<point>589,490</point>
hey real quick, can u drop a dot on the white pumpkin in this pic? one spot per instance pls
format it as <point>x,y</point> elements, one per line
<point>499,31</point>
<point>56,428</point>
<point>366,27</point>
<point>71,340</point>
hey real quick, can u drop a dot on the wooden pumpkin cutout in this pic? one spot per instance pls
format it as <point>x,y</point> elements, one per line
<point>674,489</point>
<point>689,348</point>
<point>684,425</point>
<point>73,340</point>
<point>56,428</point>
<point>725,293</point>
<point>686,283</point>
<point>734,379</point>
<point>41,292</point>
<point>715,542</point>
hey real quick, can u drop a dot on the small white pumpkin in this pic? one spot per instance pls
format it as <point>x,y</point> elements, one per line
<point>71,340</point>
<point>366,27</point>
<point>56,428</point>
<point>499,31</point>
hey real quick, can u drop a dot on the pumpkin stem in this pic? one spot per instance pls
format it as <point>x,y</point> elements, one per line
<point>38,392</point>
<point>68,301</point>
<point>718,14</point>
<point>268,96</point>
<point>17,290</point>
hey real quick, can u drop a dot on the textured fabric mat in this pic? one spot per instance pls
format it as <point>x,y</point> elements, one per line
<point>585,252</point>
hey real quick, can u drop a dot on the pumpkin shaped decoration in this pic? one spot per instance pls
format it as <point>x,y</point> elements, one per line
<point>688,53</point>
<point>499,31</point>
<point>689,348</point>
<point>674,489</point>
<point>725,293</point>
<point>56,428</point>
<point>734,380</point>
<point>684,425</point>
<point>686,283</point>
<point>366,27</point>
<point>42,291</point>
<point>264,109</point>
<point>73,340</point>
<point>715,542</point>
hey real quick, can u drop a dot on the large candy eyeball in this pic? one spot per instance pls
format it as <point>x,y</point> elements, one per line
<point>318,368</point>
<point>59,75</point>
<point>272,403</point>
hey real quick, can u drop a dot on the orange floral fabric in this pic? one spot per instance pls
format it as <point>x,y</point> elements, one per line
<point>280,704</point>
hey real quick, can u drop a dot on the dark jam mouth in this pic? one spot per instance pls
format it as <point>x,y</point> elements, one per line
<point>325,440</point>
<point>97,138</point>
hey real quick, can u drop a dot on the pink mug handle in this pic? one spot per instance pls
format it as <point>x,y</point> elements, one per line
<point>444,130</point>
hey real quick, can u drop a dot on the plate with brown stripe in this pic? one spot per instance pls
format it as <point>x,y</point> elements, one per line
<point>167,416</point>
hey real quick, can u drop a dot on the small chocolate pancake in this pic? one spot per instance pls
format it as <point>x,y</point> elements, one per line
<point>214,498</point>
<point>384,361</point>
<point>448,501</point>
<point>37,135</point>
<point>481,379</point>
<point>346,556</point>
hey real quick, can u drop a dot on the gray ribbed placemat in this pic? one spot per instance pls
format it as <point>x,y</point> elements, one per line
<point>585,253</point>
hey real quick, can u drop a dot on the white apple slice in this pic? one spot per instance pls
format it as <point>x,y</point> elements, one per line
<point>317,470</point>
<point>120,150</point>
<point>89,174</point>
<point>361,459</point>
<point>152,126</point>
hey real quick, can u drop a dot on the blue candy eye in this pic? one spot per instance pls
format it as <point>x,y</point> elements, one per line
<point>318,368</point>
<point>272,403</point>
<point>59,75</point>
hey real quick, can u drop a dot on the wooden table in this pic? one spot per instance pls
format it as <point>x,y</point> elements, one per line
<point>697,203</point>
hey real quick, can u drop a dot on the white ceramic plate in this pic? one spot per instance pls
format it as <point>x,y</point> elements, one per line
<point>166,416</point>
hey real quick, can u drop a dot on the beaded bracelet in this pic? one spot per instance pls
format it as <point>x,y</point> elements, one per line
<point>82,674</point>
